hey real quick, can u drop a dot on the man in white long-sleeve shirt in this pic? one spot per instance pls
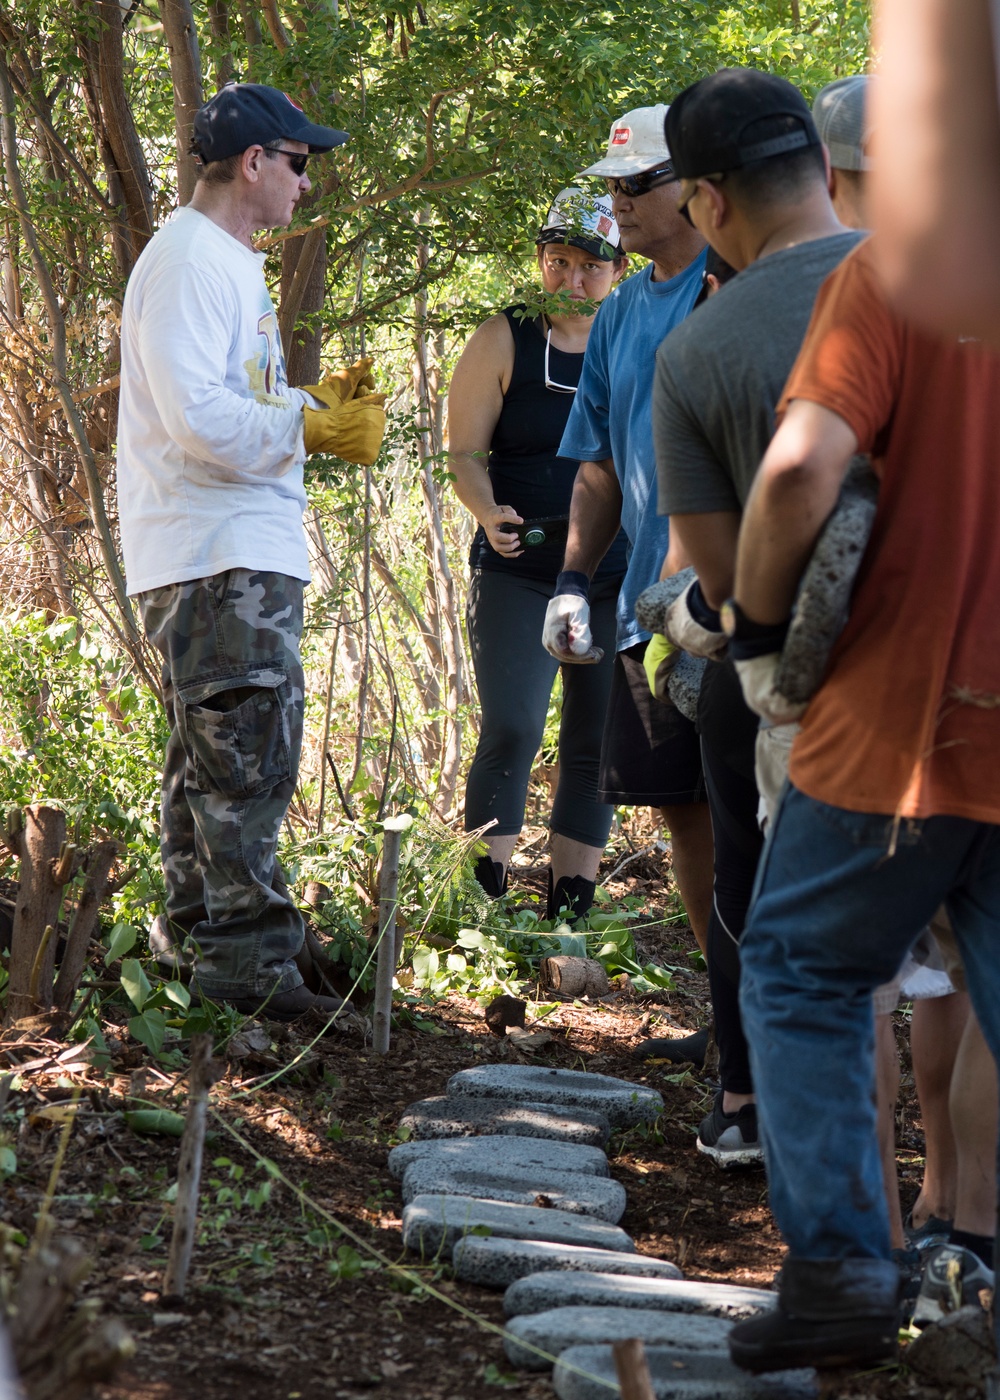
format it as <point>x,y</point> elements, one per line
<point>211,446</point>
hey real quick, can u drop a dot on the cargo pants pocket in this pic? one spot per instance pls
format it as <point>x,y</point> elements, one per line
<point>235,731</point>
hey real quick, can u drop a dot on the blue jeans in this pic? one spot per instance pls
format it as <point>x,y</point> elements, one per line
<point>840,898</point>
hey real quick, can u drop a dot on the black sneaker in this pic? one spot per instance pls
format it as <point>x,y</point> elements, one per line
<point>686,1050</point>
<point>953,1278</point>
<point>731,1139</point>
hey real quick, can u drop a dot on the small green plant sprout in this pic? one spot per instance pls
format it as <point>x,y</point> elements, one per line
<point>347,1263</point>
<point>155,1009</point>
<point>492,1375</point>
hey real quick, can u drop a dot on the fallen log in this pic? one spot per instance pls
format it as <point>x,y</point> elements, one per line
<point>574,977</point>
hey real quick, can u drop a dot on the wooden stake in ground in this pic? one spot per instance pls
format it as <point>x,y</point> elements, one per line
<point>633,1372</point>
<point>200,1080</point>
<point>385,970</point>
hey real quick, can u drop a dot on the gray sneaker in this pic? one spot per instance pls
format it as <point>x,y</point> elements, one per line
<point>731,1139</point>
<point>953,1278</point>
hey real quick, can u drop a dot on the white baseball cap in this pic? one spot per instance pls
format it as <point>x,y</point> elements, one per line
<point>637,143</point>
<point>583,221</point>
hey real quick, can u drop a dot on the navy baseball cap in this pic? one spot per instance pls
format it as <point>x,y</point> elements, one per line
<point>709,127</point>
<point>241,115</point>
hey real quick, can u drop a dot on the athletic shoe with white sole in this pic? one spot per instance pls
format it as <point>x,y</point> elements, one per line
<point>953,1278</point>
<point>731,1139</point>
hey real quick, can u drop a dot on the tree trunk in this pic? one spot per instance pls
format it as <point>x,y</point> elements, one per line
<point>56,325</point>
<point>185,70</point>
<point>38,897</point>
<point>100,858</point>
<point>218,18</point>
<point>104,59</point>
<point>446,612</point>
<point>303,290</point>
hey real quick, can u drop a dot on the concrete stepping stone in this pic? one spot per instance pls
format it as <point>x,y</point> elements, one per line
<point>443,1117</point>
<point>624,1104</point>
<point>497,1263</point>
<point>596,1196</point>
<point>554,1331</point>
<point>540,1291</point>
<point>432,1224</point>
<point>540,1154</point>
<point>586,1372</point>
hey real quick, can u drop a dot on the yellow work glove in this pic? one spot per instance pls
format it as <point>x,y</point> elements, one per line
<point>352,382</point>
<point>660,658</point>
<point>352,430</point>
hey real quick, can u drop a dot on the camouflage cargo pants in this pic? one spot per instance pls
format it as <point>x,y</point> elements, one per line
<point>234,692</point>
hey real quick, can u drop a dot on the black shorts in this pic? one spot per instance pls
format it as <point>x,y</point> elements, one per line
<point>651,756</point>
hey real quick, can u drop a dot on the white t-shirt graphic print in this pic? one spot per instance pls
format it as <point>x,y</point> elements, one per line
<point>210,447</point>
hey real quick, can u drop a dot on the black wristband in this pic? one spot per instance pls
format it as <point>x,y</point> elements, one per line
<point>572,581</point>
<point>764,644</point>
<point>699,609</point>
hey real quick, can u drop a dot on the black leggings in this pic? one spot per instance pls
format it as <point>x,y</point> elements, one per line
<point>514,677</point>
<point>727,749</point>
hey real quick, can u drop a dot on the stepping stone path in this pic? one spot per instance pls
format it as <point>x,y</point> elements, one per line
<point>494,1263</point>
<point>624,1104</point>
<point>554,1331</point>
<point>540,1154</point>
<point>446,1117</point>
<point>532,1211</point>
<point>434,1223</point>
<point>597,1196</point>
<point>585,1372</point>
<point>537,1292</point>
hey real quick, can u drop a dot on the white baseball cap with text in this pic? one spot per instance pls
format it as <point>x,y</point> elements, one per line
<point>637,143</point>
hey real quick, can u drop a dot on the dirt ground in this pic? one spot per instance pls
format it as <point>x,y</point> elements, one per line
<point>280,1304</point>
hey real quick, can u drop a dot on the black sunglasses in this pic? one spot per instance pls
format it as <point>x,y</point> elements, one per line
<point>296,159</point>
<point>635,185</point>
<point>682,208</point>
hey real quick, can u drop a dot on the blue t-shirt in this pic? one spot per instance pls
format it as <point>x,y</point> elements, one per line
<point>612,415</point>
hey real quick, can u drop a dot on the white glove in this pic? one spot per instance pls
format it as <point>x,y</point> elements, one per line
<point>566,634</point>
<point>689,635</point>
<point>757,679</point>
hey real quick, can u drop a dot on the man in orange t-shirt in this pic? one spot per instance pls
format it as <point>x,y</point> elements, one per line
<point>893,806</point>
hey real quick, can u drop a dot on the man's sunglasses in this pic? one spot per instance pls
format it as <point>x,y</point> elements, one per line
<point>646,180</point>
<point>682,207</point>
<point>296,159</point>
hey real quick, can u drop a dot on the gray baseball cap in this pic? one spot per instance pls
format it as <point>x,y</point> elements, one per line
<point>839,113</point>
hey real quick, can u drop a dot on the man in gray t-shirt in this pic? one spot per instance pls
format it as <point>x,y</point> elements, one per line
<point>759,195</point>
<point>719,376</point>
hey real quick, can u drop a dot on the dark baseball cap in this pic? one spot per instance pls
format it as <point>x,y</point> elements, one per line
<point>241,115</point>
<point>709,126</point>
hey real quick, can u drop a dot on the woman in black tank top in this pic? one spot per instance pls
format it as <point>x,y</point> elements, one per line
<point>508,403</point>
